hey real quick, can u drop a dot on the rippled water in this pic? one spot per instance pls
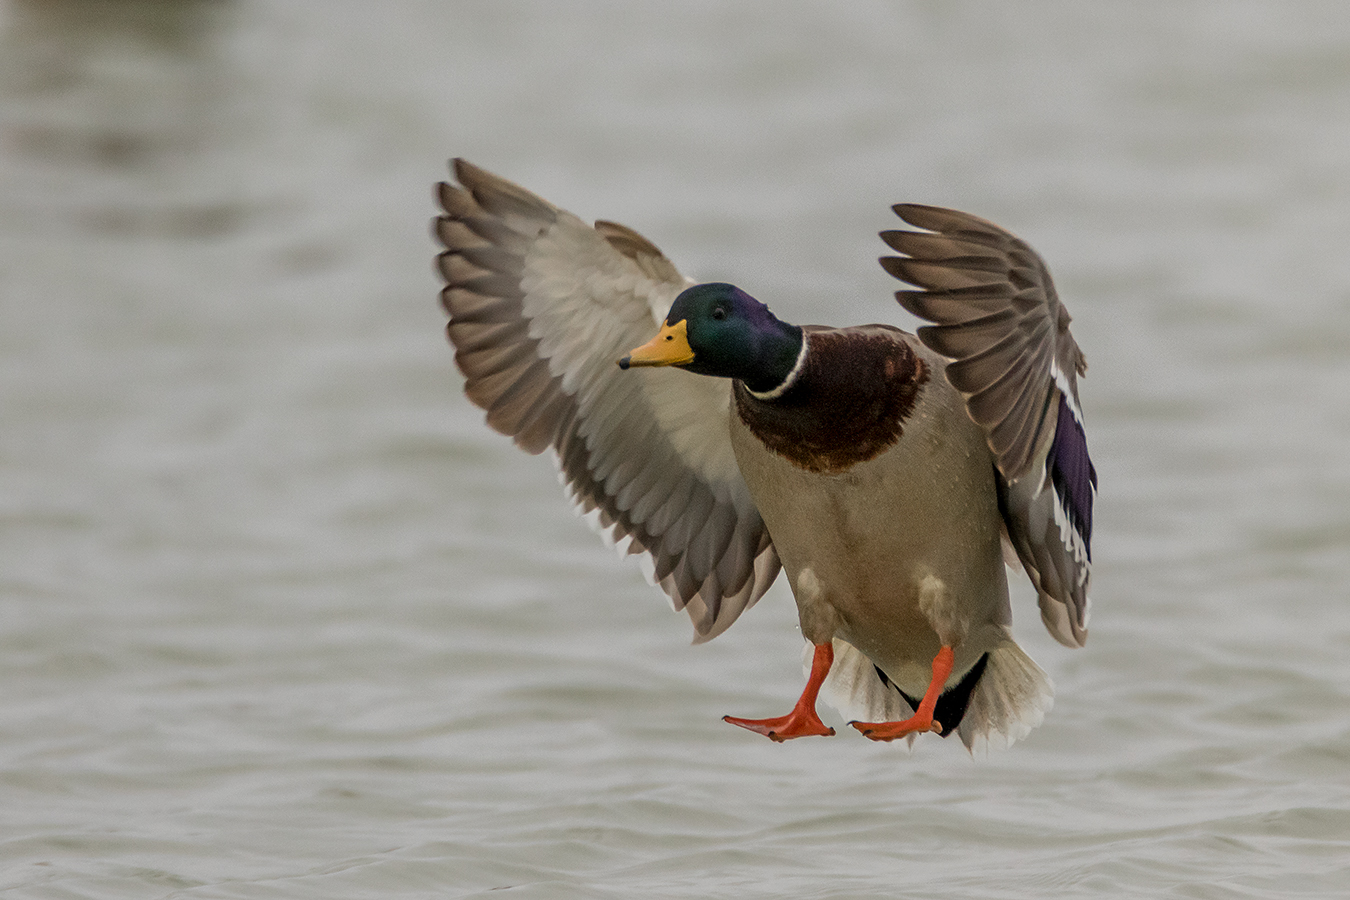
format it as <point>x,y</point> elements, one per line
<point>282,619</point>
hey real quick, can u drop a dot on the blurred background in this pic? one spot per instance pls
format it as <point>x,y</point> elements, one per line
<point>280,617</point>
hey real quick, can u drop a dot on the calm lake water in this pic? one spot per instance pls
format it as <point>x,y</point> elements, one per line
<point>281,618</point>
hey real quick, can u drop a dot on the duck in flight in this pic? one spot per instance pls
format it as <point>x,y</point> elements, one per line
<point>890,475</point>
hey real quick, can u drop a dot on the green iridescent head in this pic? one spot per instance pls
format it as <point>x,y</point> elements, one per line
<point>718,329</point>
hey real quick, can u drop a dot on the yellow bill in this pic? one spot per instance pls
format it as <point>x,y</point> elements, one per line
<point>670,347</point>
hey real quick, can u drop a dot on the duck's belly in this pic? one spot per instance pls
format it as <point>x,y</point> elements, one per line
<point>898,554</point>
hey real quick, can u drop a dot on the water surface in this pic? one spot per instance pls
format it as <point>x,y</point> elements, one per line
<point>283,619</point>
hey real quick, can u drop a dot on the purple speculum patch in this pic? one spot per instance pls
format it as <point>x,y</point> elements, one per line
<point>1072,472</point>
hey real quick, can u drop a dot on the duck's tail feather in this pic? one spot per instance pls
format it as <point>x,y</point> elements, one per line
<point>1013,696</point>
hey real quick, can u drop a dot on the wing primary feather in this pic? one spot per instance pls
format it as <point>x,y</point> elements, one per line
<point>540,305</point>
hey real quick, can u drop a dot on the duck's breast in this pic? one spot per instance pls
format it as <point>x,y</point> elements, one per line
<point>871,542</point>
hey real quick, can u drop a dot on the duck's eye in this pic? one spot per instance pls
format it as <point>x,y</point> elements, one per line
<point>719,313</point>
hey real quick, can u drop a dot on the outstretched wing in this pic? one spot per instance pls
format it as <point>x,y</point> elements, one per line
<point>541,307</point>
<point>997,318</point>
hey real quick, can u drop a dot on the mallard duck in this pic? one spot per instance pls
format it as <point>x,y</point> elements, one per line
<point>891,475</point>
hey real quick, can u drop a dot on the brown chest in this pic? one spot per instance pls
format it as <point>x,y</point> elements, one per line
<point>849,404</point>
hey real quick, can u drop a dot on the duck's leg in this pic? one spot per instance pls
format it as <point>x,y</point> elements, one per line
<point>922,720</point>
<point>802,721</point>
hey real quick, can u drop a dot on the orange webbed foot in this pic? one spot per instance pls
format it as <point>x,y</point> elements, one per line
<point>922,720</point>
<point>794,725</point>
<point>889,731</point>
<point>803,720</point>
